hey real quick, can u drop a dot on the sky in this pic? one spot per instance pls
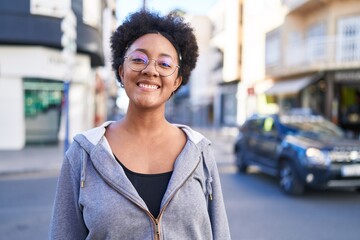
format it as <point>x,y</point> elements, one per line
<point>195,7</point>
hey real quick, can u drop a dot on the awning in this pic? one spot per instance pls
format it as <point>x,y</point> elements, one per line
<point>290,86</point>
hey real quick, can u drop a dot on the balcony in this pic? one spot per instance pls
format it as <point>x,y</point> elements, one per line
<point>316,54</point>
<point>301,6</point>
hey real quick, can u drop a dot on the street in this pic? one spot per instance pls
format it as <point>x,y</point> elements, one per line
<point>257,209</point>
<point>25,206</point>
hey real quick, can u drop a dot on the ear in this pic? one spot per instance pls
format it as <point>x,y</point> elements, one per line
<point>177,82</point>
<point>121,73</point>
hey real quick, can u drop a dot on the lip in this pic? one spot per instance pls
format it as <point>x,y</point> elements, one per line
<point>147,85</point>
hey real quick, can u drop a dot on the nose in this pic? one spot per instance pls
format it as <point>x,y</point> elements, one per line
<point>152,69</point>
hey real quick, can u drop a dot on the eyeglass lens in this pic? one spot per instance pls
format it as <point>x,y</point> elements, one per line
<point>138,61</point>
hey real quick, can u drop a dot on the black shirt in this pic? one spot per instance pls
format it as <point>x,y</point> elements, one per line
<point>151,187</point>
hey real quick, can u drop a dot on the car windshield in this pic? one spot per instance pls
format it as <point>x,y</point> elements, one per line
<point>312,124</point>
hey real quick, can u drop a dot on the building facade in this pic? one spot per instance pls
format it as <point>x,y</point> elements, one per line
<point>226,41</point>
<point>34,68</point>
<point>239,35</point>
<point>313,59</point>
<point>193,104</point>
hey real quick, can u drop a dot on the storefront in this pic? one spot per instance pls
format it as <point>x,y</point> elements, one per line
<point>226,104</point>
<point>43,100</point>
<point>31,94</point>
<point>334,94</point>
<point>305,91</point>
<point>346,101</point>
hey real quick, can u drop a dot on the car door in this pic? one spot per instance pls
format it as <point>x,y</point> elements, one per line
<point>268,142</point>
<point>253,141</point>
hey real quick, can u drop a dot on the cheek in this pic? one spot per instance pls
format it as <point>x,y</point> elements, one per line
<point>177,82</point>
<point>127,75</point>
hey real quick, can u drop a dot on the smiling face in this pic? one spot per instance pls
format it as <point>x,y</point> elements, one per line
<point>148,88</point>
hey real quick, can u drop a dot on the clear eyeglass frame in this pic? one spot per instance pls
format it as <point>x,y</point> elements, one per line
<point>140,67</point>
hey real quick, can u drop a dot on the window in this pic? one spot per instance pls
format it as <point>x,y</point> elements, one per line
<point>295,52</point>
<point>316,42</point>
<point>272,55</point>
<point>42,106</point>
<point>348,47</point>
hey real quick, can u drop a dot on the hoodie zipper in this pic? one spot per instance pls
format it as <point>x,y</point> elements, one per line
<point>156,221</point>
<point>152,218</point>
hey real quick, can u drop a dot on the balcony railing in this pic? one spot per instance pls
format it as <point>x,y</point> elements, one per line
<point>318,53</point>
<point>302,5</point>
<point>292,4</point>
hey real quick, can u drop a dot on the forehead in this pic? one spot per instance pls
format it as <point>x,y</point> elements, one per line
<point>154,44</point>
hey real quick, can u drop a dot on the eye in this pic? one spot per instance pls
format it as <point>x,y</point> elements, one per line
<point>165,63</point>
<point>138,58</point>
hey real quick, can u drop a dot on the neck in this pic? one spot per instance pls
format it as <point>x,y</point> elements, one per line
<point>145,122</point>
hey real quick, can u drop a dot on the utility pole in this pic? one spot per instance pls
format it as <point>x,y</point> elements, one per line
<point>68,42</point>
<point>144,4</point>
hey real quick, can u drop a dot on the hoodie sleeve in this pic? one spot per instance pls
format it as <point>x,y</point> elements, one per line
<point>217,212</point>
<point>67,221</point>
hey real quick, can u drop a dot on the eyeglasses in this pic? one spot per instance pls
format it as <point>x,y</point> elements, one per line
<point>138,61</point>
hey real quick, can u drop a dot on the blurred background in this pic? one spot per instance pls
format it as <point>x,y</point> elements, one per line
<point>256,56</point>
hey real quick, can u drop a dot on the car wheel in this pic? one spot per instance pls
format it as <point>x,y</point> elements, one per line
<point>289,179</point>
<point>240,162</point>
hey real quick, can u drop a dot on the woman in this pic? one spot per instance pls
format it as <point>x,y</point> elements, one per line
<point>143,177</point>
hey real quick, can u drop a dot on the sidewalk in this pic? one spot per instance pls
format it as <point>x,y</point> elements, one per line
<point>47,159</point>
<point>31,159</point>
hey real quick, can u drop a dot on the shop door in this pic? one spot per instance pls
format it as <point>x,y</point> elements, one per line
<point>349,109</point>
<point>43,103</point>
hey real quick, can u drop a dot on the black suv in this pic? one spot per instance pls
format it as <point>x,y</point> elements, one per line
<point>301,149</point>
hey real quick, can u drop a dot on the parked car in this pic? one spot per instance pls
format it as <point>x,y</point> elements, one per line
<point>302,150</point>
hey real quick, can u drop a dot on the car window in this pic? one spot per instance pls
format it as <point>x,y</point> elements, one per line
<point>314,124</point>
<point>269,126</point>
<point>256,125</point>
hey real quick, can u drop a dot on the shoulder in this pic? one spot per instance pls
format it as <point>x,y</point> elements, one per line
<point>93,135</point>
<point>84,143</point>
<point>202,143</point>
<point>194,136</point>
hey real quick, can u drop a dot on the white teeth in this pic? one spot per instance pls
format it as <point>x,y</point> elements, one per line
<point>148,86</point>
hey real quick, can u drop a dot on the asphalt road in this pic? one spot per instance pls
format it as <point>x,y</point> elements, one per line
<point>25,206</point>
<point>257,209</point>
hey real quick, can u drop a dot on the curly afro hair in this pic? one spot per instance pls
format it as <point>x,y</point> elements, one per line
<point>171,26</point>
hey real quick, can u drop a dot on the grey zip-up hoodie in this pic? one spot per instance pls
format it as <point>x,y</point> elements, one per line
<point>95,199</point>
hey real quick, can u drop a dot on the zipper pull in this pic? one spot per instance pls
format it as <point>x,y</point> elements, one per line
<point>210,196</point>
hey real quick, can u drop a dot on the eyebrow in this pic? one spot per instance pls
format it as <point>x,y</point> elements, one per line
<point>146,52</point>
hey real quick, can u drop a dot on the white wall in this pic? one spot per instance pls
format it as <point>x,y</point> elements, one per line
<point>17,62</point>
<point>202,89</point>
<point>259,17</point>
<point>12,124</point>
<point>231,69</point>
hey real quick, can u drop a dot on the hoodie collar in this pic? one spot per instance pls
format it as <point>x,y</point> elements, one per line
<point>96,145</point>
<point>95,135</point>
